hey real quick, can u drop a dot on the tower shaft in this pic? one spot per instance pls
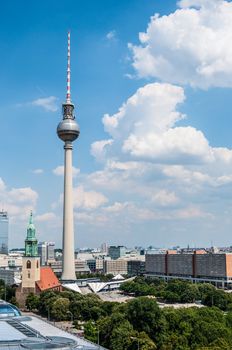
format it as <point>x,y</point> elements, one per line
<point>68,272</point>
<point>68,131</point>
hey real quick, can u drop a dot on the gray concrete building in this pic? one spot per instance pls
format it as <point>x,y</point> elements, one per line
<point>4,232</point>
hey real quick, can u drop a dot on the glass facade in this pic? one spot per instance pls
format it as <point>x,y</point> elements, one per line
<point>4,228</point>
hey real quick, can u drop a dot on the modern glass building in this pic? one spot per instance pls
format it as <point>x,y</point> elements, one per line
<point>4,228</point>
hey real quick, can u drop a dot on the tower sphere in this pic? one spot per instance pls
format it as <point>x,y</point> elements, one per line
<point>68,130</point>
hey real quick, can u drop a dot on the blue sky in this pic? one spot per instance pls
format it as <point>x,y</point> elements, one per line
<point>153,164</point>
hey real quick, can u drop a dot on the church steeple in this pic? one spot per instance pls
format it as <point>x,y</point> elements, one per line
<point>31,243</point>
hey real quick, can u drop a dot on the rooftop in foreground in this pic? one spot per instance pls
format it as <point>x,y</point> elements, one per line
<point>31,332</point>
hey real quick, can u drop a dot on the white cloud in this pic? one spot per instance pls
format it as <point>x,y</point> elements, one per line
<point>18,201</point>
<point>179,172</point>
<point>38,171</point>
<point>88,199</point>
<point>59,171</point>
<point>48,103</point>
<point>111,35</point>
<point>165,198</point>
<point>191,46</point>
<point>46,217</point>
<point>198,3</point>
<point>145,128</point>
<point>22,195</point>
<point>191,213</point>
<point>99,148</point>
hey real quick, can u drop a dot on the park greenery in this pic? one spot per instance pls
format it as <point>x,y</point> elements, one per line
<point>7,293</point>
<point>178,291</point>
<point>140,322</point>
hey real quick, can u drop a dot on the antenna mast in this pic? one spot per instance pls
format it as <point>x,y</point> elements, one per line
<point>68,95</point>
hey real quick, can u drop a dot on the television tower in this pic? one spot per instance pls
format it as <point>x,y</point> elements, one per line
<point>68,131</point>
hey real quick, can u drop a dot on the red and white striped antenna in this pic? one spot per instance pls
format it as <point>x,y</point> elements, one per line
<point>68,95</point>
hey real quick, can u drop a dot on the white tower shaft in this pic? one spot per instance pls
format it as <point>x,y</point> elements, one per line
<point>68,272</point>
<point>68,131</point>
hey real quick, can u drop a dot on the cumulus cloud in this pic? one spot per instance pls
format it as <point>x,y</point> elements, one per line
<point>191,46</point>
<point>99,148</point>
<point>146,128</point>
<point>18,201</point>
<point>88,199</point>
<point>165,198</point>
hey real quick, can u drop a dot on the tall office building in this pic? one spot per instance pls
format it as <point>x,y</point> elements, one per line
<point>50,251</point>
<point>68,131</point>
<point>46,251</point>
<point>42,252</point>
<point>4,228</point>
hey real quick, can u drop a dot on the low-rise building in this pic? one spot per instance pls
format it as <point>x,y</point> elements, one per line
<point>115,267</point>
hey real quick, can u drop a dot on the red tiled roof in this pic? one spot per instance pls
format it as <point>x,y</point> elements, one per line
<point>48,279</point>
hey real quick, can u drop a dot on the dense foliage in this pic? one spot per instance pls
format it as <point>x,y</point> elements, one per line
<point>178,291</point>
<point>7,293</point>
<point>140,323</point>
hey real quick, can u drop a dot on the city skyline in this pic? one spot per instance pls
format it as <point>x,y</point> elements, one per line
<point>153,164</point>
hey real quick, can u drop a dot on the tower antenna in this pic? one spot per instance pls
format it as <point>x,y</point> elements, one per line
<point>68,95</point>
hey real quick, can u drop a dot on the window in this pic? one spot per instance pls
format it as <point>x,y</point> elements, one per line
<point>37,264</point>
<point>29,275</point>
<point>28,264</point>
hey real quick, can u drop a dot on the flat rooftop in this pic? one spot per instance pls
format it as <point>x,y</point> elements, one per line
<point>31,332</point>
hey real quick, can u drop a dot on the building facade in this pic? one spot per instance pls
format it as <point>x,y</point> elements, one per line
<point>46,251</point>
<point>4,232</point>
<point>198,266</point>
<point>135,267</point>
<point>116,252</point>
<point>115,267</point>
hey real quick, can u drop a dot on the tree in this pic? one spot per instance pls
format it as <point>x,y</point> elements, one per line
<point>216,298</point>
<point>60,308</point>
<point>145,343</point>
<point>122,336</point>
<point>90,331</point>
<point>144,314</point>
<point>32,301</point>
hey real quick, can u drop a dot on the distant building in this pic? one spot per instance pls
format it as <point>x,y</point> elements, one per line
<point>81,266</point>
<point>50,251</point>
<point>135,267</point>
<point>46,251</point>
<point>42,252</point>
<point>115,267</point>
<point>116,252</point>
<point>104,248</point>
<point>91,264</point>
<point>4,231</point>
<point>11,260</point>
<point>10,277</point>
<point>198,266</point>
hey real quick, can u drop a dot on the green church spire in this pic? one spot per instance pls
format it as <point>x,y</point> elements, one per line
<point>31,243</point>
